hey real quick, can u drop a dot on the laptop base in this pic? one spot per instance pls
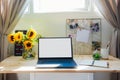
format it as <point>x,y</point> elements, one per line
<point>70,63</point>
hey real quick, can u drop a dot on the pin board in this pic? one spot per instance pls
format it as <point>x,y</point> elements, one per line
<point>85,33</point>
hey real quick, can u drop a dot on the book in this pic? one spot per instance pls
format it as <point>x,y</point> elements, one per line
<point>96,63</point>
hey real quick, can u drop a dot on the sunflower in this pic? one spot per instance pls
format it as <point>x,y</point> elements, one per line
<point>31,34</point>
<point>28,44</point>
<point>11,38</point>
<point>18,36</point>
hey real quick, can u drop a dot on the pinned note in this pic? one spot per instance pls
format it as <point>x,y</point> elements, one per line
<point>82,35</point>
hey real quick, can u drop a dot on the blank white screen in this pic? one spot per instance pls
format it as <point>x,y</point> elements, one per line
<point>55,47</point>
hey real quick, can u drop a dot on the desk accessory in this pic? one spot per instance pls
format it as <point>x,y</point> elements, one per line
<point>96,55</point>
<point>55,52</point>
<point>18,48</point>
<point>105,53</point>
<point>95,63</point>
<point>84,31</point>
<point>24,42</point>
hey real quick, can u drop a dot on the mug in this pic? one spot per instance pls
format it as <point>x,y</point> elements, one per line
<point>105,53</point>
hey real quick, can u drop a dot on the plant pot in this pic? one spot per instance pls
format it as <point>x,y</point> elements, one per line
<point>96,56</point>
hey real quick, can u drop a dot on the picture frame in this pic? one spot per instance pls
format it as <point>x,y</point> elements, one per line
<point>18,47</point>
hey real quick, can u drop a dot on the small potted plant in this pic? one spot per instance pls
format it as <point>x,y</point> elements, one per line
<point>96,55</point>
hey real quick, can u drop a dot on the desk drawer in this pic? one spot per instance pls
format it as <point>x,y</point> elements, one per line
<point>61,76</point>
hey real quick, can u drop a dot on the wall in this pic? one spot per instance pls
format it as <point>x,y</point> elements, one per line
<point>54,24</point>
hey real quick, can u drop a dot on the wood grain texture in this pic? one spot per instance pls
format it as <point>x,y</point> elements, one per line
<point>16,64</point>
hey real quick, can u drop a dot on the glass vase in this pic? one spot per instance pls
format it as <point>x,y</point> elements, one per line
<point>28,55</point>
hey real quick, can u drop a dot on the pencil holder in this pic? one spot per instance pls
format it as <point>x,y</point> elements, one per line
<point>104,53</point>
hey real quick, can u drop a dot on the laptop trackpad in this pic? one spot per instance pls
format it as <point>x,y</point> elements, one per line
<point>48,65</point>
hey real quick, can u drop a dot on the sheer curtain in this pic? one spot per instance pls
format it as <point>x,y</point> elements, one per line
<point>10,13</point>
<point>110,9</point>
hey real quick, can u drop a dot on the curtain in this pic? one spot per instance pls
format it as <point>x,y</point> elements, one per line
<point>10,13</point>
<point>110,9</point>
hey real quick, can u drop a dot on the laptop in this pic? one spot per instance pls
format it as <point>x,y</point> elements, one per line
<point>55,52</point>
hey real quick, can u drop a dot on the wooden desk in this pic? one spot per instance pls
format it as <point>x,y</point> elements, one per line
<point>15,64</point>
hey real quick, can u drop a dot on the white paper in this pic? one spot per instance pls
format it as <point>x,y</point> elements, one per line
<point>101,63</point>
<point>82,35</point>
<point>86,62</point>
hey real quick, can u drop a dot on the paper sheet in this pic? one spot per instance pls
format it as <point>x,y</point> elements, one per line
<point>82,35</point>
<point>100,63</point>
<point>86,62</point>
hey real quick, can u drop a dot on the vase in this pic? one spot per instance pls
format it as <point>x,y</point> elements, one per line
<point>28,55</point>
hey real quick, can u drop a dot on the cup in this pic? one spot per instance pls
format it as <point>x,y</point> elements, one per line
<point>104,53</point>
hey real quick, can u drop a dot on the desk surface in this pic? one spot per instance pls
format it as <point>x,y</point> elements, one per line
<point>15,64</point>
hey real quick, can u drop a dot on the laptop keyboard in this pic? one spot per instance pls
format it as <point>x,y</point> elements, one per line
<point>55,61</point>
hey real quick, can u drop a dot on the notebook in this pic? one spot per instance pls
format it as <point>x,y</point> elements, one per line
<point>55,52</point>
<point>96,63</point>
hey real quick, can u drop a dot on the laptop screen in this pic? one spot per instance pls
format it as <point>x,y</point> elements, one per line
<point>55,47</point>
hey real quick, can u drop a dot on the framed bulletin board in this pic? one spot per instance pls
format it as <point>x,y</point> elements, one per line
<point>85,33</point>
<point>18,47</point>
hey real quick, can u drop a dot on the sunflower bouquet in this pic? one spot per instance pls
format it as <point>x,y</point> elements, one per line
<point>28,40</point>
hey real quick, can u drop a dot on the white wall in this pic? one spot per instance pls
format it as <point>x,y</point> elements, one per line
<point>54,24</point>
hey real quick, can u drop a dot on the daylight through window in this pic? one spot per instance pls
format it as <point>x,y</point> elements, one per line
<point>60,5</point>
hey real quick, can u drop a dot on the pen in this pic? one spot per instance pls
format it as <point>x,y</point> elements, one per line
<point>108,44</point>
<point>93,62</point>
<point>107,65</point>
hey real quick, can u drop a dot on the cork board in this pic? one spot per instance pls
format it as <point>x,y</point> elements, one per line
<point>85,33</point>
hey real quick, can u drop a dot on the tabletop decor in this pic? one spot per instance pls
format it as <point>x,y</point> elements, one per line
<point>18,47</point>
<point>96,55</point>
<point>28,41</point>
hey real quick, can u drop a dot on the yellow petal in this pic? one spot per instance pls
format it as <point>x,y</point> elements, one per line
<point>28,45</point>
<point>18,36</point>
<point>31,34</point>
<point>11,38</point>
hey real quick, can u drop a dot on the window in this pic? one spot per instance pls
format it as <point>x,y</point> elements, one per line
<point>60,5</point>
